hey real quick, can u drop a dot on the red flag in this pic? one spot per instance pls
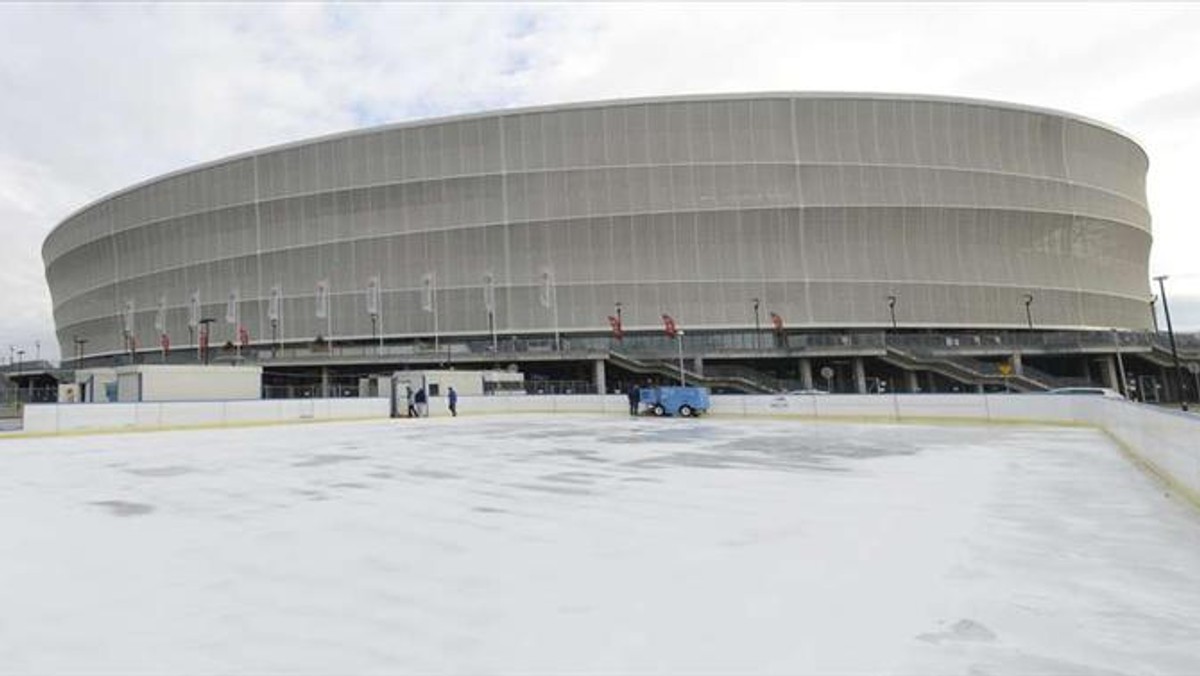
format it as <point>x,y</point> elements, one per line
<point>243,336</point>
<point>165,341</point>
<point>669,326</point>
<point>617,330</point>
<point>777,322</point>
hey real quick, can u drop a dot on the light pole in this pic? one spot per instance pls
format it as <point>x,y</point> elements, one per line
<point>205,323</point>
<point>679,340</point>
<point>1028,315</point>
<point>21,358</point>
<point>757,347</point>
<point>1124,388</point>
<point>79,343</point>
<point>1162,291</point>
<point>892,309</point>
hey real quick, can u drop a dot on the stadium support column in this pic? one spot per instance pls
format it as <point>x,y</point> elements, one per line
<point>1017,367</point>
<point>325,381</point>
<point>860,376</point>
<point>910,378</point>
<point>698,365</point>
<point>1109,370</point>
<point>601,383</point>
<point>806,381</point>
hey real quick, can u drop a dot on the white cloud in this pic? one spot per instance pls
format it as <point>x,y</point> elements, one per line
<point>101,96</point>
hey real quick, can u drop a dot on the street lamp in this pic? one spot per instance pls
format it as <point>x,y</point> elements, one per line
<point>1028,315</point>
<point>892,309</point>
<point>679,340</point>
<point>756,324</point>
<point>205,325</point>
<point>21,358</point>
<point>1162,291</point>
<point>79,343</point>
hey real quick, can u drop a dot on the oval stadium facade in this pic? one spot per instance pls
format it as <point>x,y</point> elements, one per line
<point>830,210</point>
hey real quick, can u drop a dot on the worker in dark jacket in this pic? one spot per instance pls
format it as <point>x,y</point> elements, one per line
<point>420,400</point>
<point>452,398</point>
<point>635,396</point>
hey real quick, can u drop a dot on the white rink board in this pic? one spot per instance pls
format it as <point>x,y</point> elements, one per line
<point>60,418</point>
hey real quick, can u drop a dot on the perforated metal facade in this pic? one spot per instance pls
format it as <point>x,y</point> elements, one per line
<point>821,206</point>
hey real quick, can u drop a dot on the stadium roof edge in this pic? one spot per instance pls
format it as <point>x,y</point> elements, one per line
<point>506,112</point>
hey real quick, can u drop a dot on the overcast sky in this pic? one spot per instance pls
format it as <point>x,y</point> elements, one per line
<point>96,97</point>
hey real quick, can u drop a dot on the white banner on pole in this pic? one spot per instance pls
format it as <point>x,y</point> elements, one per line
<point>160,317</point>
<point>546,292</point>
<point>231,307</point>
<point>489,292</point>
<point>194,309</point>
<point>273,305</point>
<point>373,295</point>
<point>323,299</point>
<point>427,285</point>
<point>129,311</point>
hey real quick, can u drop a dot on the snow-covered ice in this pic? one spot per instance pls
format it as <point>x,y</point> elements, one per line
<point>590,544</point>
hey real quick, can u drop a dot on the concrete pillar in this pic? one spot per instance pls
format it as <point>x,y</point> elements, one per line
<point>1017,366</point>
<point>601,383</point>
<point>860,376</point>
<point>930,383</point>
<point>1108,369</point>
<point>806,379</point>
<point>325,381</point>
<point>698,366</point>
<point>910,381</point>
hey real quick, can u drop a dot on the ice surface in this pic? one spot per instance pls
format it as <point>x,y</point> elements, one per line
<point>589,544</point>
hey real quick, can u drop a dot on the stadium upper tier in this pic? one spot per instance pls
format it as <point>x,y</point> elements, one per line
<point>821,206</point>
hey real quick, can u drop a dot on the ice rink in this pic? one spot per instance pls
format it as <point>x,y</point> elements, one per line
<point>589,544</point>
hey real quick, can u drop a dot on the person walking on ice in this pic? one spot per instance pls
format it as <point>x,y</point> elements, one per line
<point>634,397</point>
<point>412,404</point>
<point>452,398</point>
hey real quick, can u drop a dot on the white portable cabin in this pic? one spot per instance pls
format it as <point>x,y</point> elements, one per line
<point>170,382</point>
<point>465,383</point>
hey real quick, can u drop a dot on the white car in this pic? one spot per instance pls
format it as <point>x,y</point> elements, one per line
<point>1094,391</point>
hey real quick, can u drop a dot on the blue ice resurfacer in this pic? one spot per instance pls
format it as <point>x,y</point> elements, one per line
<point>681,401</point>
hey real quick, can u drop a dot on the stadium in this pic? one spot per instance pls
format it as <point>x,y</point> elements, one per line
<point>849,242</point>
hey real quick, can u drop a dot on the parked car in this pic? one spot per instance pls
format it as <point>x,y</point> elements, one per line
<point>1094,391</point>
